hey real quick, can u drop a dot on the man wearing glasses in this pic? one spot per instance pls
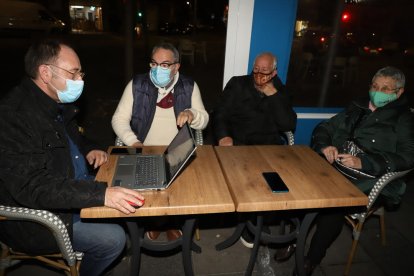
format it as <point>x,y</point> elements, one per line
<point>156,104</point>
<point>44,162</point>
<point>381,124</point>
<point>254,110</point>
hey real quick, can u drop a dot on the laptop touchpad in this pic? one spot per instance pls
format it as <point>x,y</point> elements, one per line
<point>126,170</point>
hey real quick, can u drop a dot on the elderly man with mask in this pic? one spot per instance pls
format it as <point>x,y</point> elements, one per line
<point>156,104</point>
<point>382,128</point>
<point>254,109</point>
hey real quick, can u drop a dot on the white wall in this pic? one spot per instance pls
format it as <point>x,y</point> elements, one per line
<point>239,29</point>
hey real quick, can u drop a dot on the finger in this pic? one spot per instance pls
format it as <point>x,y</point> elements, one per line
<point>125,208</point>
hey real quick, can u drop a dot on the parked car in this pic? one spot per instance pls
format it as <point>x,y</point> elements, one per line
<point>28,16</point>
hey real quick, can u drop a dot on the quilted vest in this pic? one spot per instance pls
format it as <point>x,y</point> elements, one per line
<point>145,95</point>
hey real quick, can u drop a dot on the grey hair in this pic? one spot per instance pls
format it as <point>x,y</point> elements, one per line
<point>268,54</point>
<point>167,46</point>
<point>392,72</point>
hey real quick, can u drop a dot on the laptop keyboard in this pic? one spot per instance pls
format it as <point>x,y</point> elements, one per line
<point>148,171</point>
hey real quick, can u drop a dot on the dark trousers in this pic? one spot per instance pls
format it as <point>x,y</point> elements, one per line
<point>328,227</point>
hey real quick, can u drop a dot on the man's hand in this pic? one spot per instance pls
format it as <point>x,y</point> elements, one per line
<point>226,141</point>
<point>350,161</point>
<point>331,153</point>
<point>118,197</point>
<point>97,158</point>
<point>185,116</point>
<point>137,145</point>
<point>268,88</point>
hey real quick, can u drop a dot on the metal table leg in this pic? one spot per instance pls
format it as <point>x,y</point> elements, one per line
<point>135,236</point>
<point>257,231</point>
<point>301,241</point>
<point>186,243</point>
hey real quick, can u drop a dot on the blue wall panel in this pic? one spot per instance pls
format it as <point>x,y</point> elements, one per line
<point>272,31</point>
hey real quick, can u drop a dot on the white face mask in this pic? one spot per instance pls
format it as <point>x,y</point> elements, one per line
<point>72,92</point>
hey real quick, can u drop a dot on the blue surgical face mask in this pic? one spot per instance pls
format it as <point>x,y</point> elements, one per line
<point>379,99</point>
<point>160,76</point>
<point>72,92</point>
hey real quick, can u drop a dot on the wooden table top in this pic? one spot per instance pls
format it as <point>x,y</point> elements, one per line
<point>312,182</point>
<point>199,189</point>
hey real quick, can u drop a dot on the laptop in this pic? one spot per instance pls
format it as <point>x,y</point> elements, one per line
<point>156,172</point>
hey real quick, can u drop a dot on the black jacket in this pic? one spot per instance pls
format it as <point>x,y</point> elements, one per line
<point>386,136</point>
<point>250,117</point>
<point>36,170</point>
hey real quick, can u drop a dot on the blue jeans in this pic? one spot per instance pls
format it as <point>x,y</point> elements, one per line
<point>101,244</point>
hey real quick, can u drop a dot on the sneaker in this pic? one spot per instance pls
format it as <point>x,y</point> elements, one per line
<point>247,238</point>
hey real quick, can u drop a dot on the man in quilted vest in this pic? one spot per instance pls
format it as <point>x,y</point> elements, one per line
<point>156,104</point>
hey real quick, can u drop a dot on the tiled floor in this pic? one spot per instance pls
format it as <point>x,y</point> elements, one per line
<point>372,259</point>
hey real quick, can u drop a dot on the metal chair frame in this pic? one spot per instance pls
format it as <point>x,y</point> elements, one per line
<point>357,220</point>
<point>67,260</point>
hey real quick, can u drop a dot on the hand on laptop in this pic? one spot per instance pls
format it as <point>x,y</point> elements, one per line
<point>121,198</point>
<point>185,116</point>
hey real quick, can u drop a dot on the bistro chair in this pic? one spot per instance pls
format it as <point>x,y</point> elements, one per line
<point>66,259</point>
<point>186,48</point>
<point>373,208</point>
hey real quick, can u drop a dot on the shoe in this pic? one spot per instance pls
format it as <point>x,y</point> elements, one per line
<point>173,234</point>
<point>153,235</point>
<point>283,254</point>
<point>247,238</point>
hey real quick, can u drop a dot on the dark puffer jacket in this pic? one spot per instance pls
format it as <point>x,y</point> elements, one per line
<point>36,170</point>
<point>386,136</point>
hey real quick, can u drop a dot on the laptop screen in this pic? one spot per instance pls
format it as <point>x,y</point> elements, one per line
<point>179,150</point>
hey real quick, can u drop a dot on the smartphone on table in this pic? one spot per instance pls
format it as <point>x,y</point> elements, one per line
<point>275,182</point>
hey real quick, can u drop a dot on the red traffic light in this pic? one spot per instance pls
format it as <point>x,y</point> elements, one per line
<point>345,17</point>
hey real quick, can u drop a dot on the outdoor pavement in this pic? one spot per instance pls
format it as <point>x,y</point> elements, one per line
<point>102,58</point>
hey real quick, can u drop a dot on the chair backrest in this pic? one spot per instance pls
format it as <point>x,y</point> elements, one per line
<point>381,183</point>
<point>47,219</point>
<point>186,46</point>
<point>290,137</point>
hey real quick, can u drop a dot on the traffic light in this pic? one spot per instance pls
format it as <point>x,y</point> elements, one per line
<point>345,17</point>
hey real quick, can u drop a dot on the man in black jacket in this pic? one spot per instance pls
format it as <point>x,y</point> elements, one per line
<point>42,161</point>
<point>254,109</point>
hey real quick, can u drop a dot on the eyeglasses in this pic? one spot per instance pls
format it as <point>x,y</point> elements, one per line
<point>257,71</point>
<point>164,65</point>
<point>75,75</point>
<point>385,89</point>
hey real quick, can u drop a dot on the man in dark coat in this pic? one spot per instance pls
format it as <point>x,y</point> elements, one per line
<point>254,109</point>
<point>43,161</point>
<point>382,127</point>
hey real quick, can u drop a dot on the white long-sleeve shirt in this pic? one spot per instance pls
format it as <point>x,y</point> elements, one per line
<point>164,126</point>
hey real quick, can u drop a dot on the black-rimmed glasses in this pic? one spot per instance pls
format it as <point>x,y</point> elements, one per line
<point>75,75</point>
<point>164,65</point>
